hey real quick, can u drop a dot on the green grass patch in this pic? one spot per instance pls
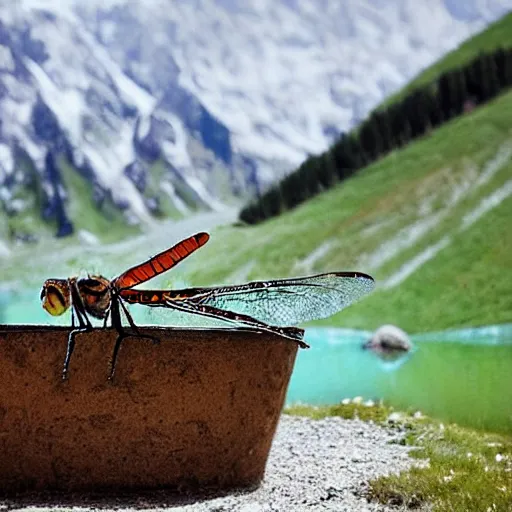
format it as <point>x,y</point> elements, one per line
<point>498,34</point>
<point>377,413</point>
<point>467,470</point>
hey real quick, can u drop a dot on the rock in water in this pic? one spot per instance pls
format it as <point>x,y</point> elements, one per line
<point>389,340</point>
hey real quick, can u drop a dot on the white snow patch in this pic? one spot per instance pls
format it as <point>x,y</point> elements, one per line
<point>16,124</point>
<point>487,204</point>
<point>108,162</point>
<point>169,189</point>
<point>241,274</point>
<point>4,250</point>
<point>6,159</point>
<point>176,153</point>
<point>87,238</point>
<point>6,60</point>
<point>131,92</point>
<point>414,263</point>
<point>409,235</point>
<point>198,187</point>
<point>107,29</point>
<point>36,152</point>
<point>404,239</point>
<point>493,166</point>
<point>322,250</point>
<point>144,127</point>
<point>372,229</point>
<point>68,105</point>
<point>5,194</point>
<point>17,205</point>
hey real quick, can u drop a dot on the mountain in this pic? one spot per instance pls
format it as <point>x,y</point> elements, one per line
<point>148,109</point>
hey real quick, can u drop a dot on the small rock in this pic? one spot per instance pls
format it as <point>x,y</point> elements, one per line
<point>389,341</point>
<point>394,417</point>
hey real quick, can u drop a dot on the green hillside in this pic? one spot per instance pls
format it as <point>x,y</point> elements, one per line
<point>498,34</point>
<point>423,199</point>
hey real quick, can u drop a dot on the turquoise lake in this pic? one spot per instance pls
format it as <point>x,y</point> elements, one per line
<point>462,376</point>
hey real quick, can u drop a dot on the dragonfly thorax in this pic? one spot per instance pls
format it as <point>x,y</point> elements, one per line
<point>95,294</point>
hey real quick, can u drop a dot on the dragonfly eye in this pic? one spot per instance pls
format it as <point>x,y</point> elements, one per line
<point>55,299</point>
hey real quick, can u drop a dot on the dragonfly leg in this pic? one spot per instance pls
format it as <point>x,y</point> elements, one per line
<point>293,333</point>
<point>113,359</point>
<point>84,325</point>
<point>155,340</point>
<point>105,320</point>
<point>122,333</point>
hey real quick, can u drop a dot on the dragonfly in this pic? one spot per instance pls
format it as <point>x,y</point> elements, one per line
<point>274,306</point>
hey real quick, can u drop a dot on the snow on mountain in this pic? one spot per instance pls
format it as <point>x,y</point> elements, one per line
<point>226,93</point>
<point>285,76</point>
<point>62,92</point>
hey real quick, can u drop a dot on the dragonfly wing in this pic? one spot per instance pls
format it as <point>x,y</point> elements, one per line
<point>291,301</point>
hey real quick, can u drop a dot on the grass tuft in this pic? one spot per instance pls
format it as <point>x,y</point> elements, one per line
<point>377,413</point>
<point>467,470</point>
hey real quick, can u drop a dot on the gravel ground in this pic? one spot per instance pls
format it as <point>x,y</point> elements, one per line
<point>314,465</point>
<point>319,465</point>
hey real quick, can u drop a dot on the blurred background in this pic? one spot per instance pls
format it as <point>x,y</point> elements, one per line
<point>306,136</point>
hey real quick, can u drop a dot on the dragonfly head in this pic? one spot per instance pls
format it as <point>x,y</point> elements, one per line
<point>56,296</point>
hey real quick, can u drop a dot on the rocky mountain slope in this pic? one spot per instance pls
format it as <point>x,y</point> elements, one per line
<point>150,109</point>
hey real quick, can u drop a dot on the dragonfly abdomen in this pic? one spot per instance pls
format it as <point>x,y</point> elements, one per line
<point>161,297</point>
<point>146,297</point>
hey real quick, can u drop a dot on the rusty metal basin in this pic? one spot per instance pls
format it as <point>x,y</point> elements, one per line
<point>199,410</point>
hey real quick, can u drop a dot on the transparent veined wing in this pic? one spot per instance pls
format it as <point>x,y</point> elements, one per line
<point>289,301</point>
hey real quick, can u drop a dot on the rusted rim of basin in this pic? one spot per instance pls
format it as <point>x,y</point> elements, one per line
<point>156,328</point>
